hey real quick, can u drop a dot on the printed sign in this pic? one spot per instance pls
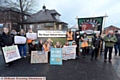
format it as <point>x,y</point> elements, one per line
<point>31,36</point>
<point>39,57</point>
<point>51,33</point>
<point>11,53</point>
<point>68,52</point>
<point>19,40</point>
<point>56,56</point>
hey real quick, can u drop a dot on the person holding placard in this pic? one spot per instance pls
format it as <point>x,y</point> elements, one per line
<point>40,45</point>
<point>13,33</point>
<point>22,47</point>
<point>58,45</point>
<point>33,46</point>
<point>6,40</point>
<point>29,41</point>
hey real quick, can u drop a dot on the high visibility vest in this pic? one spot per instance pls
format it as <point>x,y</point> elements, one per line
<point>84,44</point>
<point>29,41</point>
<point>46,48</point>
<point>69,36</point>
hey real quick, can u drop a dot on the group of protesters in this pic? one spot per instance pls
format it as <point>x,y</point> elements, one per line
<point>111,40</point>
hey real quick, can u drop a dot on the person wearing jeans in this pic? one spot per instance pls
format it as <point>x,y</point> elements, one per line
<point>22,47</point>
<point>110,40</point>
<point>117,44</point>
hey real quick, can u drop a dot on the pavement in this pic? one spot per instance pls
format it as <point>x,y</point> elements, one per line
<point>79,69</point>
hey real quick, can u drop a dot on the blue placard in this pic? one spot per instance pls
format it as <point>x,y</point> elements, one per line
<point>70,42</point>
<point>56,56</point>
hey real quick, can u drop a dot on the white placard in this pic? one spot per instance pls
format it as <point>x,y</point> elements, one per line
<point>19,40</point>
<point>69,52</point>
<point>11,53</point>
<point>51,33</point>
<point>31,36</point>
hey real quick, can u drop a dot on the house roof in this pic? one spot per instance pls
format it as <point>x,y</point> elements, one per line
<point>43,16</point>
<point>12,9</point>
<point>110,27</point>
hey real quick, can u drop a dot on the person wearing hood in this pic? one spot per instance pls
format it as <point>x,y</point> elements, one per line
<point>110,40</point>
<point>6,40</point>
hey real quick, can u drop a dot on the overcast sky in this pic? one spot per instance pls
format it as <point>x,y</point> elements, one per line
<point>69,9</point>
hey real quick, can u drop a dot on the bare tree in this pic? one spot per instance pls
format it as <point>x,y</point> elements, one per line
<point>24,6</point>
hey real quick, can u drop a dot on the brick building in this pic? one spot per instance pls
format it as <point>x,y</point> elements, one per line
<point>114,28</point>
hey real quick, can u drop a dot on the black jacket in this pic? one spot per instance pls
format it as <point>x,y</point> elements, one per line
<point>5,40</point>
<point>96,42</point>
<point>33,47</point>
<point>77,38</point>
<point>40,46</point>
<point>118,39</point>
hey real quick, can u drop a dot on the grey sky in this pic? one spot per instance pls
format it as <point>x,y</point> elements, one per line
<point>69,9</point>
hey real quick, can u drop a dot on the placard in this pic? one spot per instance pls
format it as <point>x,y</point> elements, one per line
<point>39,57</point>
<point>11,53</point>
<point>56,56</point>
<point>69,52</point>
<point>19,40</point>
<point>31,36</point>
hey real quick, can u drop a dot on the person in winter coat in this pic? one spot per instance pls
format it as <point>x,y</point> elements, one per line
<point>22,47</point>
<point>40,45</point>
<point>117,44</point>
<point>33,46</point>
<point>96,41</point>
<point>77,38</point>
<point>6,40</point>
<point>110,40</point>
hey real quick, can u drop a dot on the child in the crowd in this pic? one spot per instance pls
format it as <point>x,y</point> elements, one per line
<point>40,45</point>
<point>33,46</point>
<point>58,45</point>
<point>74,44</point>
<point>84,46</point>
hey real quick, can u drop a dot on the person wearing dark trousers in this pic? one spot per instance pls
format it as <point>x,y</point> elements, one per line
<point>22,47</point>
<point>29,41</point>
<point>77,38</point>
<point>117,44</point>
<point>6,40</point>
<point>84,46</point>
<point>110,40</point>
<point>96,46</point>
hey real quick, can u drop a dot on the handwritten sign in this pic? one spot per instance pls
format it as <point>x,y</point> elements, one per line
<point>31,36</point>
<point>68,52</point>
<point>19,40</point>
<point>11,53</point>
<point>56,56</point>
<point>39,57</point>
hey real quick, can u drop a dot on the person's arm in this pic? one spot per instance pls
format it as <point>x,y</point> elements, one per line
<point>114,39</point>
<point>106,39</point>
<point>1,42</point>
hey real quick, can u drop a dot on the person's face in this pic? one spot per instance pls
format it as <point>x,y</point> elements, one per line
<point>67,43</point>
<point>84,34</point>
<point>5,30</point>
<point>22,31</point>
<point>97,35</point>
<point>57,43</point>
<point>30,31</point>
<point>77,32</point>
<point>40,41</point>
<point>33,42</point>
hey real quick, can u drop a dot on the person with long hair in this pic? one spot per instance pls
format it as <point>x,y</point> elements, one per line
<point>6,40</point>
<point>40,45</point>
<point>96,41</point>
<point>22,47</point>
<point>57,45</point>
